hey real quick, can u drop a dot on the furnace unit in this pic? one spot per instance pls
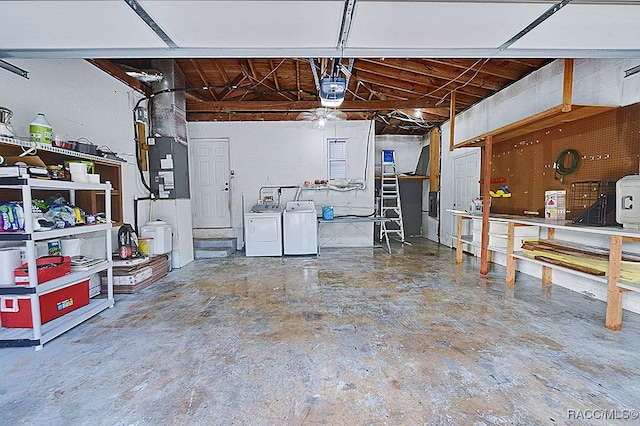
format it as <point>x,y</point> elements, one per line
<point>169,167</point>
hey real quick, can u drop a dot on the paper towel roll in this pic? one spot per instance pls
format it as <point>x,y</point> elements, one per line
<point>9,260</point>
<point>71,246</point>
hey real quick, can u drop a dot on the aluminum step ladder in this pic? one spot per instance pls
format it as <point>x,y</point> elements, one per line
<point>390,206</point>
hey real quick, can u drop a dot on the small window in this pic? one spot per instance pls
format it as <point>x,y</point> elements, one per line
<point>337,159</point>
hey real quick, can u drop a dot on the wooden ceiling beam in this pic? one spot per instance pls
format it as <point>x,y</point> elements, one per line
<point>297,106</point>
<point>263,116</point>
<point>118,73</point>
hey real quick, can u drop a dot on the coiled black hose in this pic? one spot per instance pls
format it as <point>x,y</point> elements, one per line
<point>560,167</point>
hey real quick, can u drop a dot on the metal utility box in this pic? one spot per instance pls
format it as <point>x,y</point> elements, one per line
<point>169,167</point>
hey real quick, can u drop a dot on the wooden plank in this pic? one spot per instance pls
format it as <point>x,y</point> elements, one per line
<point>511,261</point>
<point>547,272</point>
<point>284,106</point>
<point>582,251</point>
<point>547,275</point>
<point>567,85</point>
<point>569,265</point>
<point>459,244</point>
<point>486,206</point>
<point>434,159</point>
<point>452,121</point>
<point>143,147</point>
<point>613,319</point>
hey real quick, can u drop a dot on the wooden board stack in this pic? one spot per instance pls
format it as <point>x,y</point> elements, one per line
<point>587,259</point>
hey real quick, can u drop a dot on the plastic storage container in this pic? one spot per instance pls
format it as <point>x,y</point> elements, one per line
<point>40,130</point>
<point>160,231</point>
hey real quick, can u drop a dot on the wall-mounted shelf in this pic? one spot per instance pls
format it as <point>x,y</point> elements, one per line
<point>551,117</point>
<point>92,200</point>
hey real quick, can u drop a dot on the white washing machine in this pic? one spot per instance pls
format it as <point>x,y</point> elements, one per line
<point>300,228</point>
<point>263,231</point>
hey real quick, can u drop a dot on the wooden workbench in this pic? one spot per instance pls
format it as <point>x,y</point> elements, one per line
<point>617,237</point>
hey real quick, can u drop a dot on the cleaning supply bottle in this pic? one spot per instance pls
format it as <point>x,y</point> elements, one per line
<point>40,130</point>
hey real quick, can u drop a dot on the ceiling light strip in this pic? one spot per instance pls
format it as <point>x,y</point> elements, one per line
<point>546,15</point>
<point>10,67</point>
<point>139,10</point>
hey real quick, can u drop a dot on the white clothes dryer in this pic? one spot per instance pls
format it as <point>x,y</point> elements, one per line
<point>263,231</point>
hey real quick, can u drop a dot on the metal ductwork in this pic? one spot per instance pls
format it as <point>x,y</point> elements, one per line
<point>168,109</point>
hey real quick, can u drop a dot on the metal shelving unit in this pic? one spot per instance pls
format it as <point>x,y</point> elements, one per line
<point>42,333</point>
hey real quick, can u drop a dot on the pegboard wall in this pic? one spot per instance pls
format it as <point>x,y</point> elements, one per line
<point>608,147</point>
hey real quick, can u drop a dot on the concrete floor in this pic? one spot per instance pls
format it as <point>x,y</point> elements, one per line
<point>355,337</point>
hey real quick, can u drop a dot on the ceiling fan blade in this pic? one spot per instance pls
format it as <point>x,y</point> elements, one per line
<point>307,116</point>
<point>336,115</point>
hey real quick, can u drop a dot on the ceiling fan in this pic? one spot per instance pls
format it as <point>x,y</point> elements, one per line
<point>320,116</point>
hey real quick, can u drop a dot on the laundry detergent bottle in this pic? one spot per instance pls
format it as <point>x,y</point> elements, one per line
<point>40,130</point>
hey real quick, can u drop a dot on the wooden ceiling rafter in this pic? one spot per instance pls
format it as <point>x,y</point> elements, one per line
<point>224,93</point>
<point>429,85</point>
<point>418,92</point>
<point>203,78</point>
<point>495,68</point>
<point>248,88</point>
<point>442,73</point>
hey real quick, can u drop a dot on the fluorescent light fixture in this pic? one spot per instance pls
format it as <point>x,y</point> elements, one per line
<point>332,91</point>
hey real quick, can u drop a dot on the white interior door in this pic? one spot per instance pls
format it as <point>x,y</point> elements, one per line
<point>211,179</point>
<point>466,172</point>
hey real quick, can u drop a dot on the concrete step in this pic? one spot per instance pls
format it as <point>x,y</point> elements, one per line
<point>209,248</point>
<point>212,253</point>
<point>215,242</point>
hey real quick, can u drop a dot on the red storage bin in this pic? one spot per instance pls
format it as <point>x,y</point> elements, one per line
<point>49,267</point>
<point>15,311</point>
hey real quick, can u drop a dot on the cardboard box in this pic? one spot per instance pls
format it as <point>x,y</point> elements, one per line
<point>29,160</point>
<point>15,311</point>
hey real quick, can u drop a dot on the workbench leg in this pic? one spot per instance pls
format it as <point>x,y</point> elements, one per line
<point>459,241</point>
<point>547,272</point>
<point>511,261</point>
<point>614,294</point>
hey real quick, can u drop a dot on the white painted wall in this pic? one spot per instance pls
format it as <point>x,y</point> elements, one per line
<point>407,150</point>
<point>596,82</point>
<point>290,153</point>
<point>79,100</point>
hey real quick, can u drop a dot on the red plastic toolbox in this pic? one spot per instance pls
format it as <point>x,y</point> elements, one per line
<point>49,267</point>
<point>15,312</point>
